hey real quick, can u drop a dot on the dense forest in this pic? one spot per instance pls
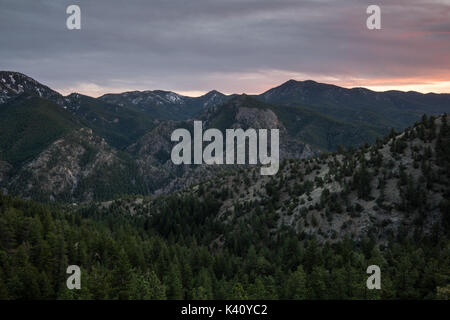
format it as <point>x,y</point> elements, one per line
<point>183,246</point>
<point>124,257</point>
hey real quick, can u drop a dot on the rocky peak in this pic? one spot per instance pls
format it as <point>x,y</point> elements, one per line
<point>13,84</point>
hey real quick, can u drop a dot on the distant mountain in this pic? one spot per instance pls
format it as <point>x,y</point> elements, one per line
<point>119,125</point>
<point>79,148</point>
<point>299,125</point>
<point>13,84</point>
<point>166,105</point>
<point>152,151</point>
<point>246,112</point>
<point>390,109</point>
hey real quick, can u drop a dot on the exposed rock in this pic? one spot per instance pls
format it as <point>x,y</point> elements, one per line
<point>58,171</point>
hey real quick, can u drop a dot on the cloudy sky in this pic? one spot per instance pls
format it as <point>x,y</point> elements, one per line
<point>234,46</point>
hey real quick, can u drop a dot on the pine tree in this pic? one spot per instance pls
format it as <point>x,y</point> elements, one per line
<point>173,281</point>
<point>122,277</point>
<point>238,292</point>
<point>296,285</point>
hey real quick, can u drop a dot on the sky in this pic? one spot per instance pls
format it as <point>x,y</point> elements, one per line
<point>233,46</point>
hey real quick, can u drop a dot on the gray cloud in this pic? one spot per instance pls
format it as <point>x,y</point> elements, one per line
<point>232,46</point>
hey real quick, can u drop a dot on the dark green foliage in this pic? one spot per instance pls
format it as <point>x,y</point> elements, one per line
<point>304,124</point>
<point>359,106</point>
<point>361,181</point>
<point>28,125</point>
<point>126,257</point>
<point>119,125</point>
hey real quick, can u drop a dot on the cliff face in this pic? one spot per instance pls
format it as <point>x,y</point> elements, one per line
<point>62,170</point>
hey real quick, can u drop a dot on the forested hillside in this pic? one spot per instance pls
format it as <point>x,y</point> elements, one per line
<point>212,242</point>
<point>399,186</point>
<point>134,257</point>
<point>28,125</point>
<point>359,106</point>
<point>308,232</point>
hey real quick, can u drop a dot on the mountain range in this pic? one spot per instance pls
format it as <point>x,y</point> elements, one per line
<point>78,148</point>
<point>351,192</point>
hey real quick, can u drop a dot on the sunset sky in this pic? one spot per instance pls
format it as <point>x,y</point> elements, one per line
<point>233,46</point>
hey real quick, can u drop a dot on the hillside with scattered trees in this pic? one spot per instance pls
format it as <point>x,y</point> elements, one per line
<point>310,232</point>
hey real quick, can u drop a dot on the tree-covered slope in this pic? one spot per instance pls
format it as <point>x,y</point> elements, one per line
<point>28,124</point>
<point>383,110</point>
<point>310,232</point>
<point>119,125</point>
<point>399,186</point>
<point>80,166</point>
<point>134,257</point>
<point>319,130</point>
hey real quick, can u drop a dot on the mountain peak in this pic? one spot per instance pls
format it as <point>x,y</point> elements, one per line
<point>212,93</point>
<point>13,84</point>
<point>75,95</point>
<point>14,74</point>
<point>292,82</point>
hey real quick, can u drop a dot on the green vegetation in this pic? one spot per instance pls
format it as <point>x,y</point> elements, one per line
<point>135,257</point>
<point>311,126</point>
<point>184,246</point>
<point>28,125</point>
<point>326,132</point>
<point>119,125</point>
<point>359,106</point>
<point>308,232</point>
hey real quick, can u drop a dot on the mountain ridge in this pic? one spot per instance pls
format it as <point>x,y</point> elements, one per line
<point>142,143</point>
